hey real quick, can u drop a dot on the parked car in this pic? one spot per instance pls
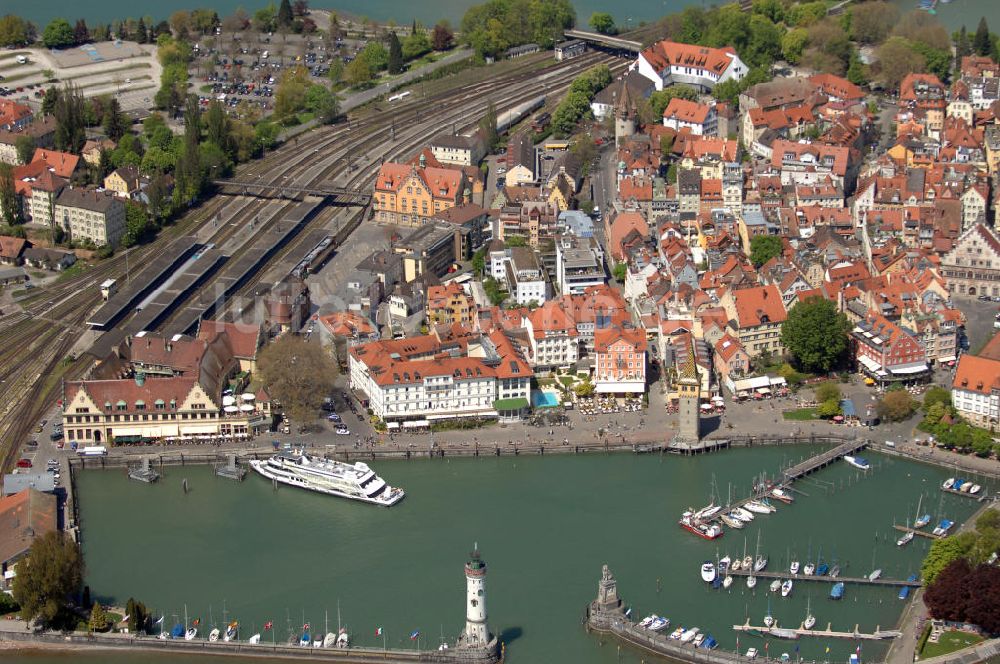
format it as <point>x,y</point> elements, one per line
<point>24,463</point>
<point>333,417</point>
<point>343,431</point>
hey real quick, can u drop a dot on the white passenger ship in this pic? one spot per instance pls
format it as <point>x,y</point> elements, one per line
<point>355,481</point>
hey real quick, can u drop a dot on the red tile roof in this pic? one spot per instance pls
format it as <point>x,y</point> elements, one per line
<point>753,305</point>
<point>662,55</point>
<point>977,374</point>
<point>62,164</point>
<point>683,110</point>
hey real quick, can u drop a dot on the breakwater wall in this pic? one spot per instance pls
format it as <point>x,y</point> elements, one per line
<point>243,649</point>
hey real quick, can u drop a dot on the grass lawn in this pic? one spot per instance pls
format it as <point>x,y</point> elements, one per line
<point>800,414</point>
<point>72,271</point>
<point>949,642</point>
<point>568,381</point>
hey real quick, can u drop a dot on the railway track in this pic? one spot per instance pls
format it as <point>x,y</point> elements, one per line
<point>36,344</point>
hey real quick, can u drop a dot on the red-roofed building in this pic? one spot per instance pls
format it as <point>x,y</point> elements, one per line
<point>806,163</point>
<point>975,390</point>
<point>62,164</point>
<point>680,114</point>
<point>25,516</point>
<point>731,360</point>
<point>755,318</point>
<point>622,228</point>
<point>972,266</point>
<point>620,361</point>
<point>14,116</point>
<point>887,352</point>
<point>411,195</point>
<point>837,88</point>
<point>422,379</point>
<point>450,304</point>
<point>666,63</point>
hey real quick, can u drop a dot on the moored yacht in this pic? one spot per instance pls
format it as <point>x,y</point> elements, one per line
<point>355,481</point>
<point>708,571</point>
<point>858,462</point>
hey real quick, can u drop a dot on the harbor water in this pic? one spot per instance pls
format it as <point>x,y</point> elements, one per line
<point>627,14</point>
<point>545,526</point>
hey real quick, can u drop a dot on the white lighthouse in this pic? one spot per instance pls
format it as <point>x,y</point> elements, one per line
<point>476,631</point>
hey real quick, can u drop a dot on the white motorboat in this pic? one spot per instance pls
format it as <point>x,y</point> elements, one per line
<point>751,581</point>
<point>689,635</point>
<point>254,640</point>
<point>677,633</point>
<point>782,495</point>
<point>698,640</point>
<point>647,621</point>
<point>948,483</point>
<point>757,507</point>
<point>743,515</point>
<point>231,631</point>
<point>214,634</point>
<point>708,571</point>
<point>858,462</point>
<point>728,581</point>
<point>905,539</point>
<point>775,585</point>
<point>975,488</point>
<point>786,587</point>
<point>707,512</point>
<point>724,563</point>
<point>355,481</point>
<point>329,640</point>
<point>760,563</point>
<point>794,568</point>
<point>658,624</point>
<point>190,633</point>
<point>809,569</point>
<point>731,521</point>
<point>344,639</point>
<point>769,621</point>
<point>875,575</point>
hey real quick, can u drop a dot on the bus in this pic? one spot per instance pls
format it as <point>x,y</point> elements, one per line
<point>401,95</point>
<point>557,145</point>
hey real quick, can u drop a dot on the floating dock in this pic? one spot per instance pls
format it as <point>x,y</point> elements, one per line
<point>878,635</point>
<point>981,496</point>
<point>922,533</point>
<point>822,460</point>
<point>846,580</point>
<point>143,472</point>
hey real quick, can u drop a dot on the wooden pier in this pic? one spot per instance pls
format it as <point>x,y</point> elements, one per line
<point>922,533</point>
<point>881,581</point>
<point>878,635</point>
<point>822,460</point>
<point>981,496</point>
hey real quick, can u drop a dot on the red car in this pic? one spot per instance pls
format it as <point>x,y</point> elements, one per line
<point>24,463</point>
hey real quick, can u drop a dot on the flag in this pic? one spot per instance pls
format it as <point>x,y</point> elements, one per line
<point>305,627</point>
<point>828,650</point>
<point>268,625</point>
<point>160,621</point>
<point>196,622</point>
<point>378,631</point>
<point>416,633</point>
<point>859,649</point>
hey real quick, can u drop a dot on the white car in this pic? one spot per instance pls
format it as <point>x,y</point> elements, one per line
<point>752,653</point>
<point>343,431</point>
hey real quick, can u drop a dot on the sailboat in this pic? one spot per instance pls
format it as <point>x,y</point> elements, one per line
<point>761,561</point>
<point>905,539</point>
<point>810,567</point>
<point>810,620</point>
<point>921,520</point>
<point>877,572</point>
<point>214,635</point>
<point>231,627</point>
<point>786,587</point>
<point>189,632</point>
<point>769,619</point>
<point>254,640</point>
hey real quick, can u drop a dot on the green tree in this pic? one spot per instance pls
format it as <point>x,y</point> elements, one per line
<point>25,147</point>
<point>896,59</point>
<point>963,45</point>
<point>815,333</point>
<point>14,31</point>
<point>765,41</point>
<point>729,26</point>
<point>322,103</point>
<point>774,10</point>
<point>416,45</point>
<point>488,127</point>
<point>479,261</point>
<point>493,291</point>
<point>298,374</point>
<point>603,23</point>
<point>857,73</point>
<point>936,394</point>
<point>871,22</point>
<point>290,97</point>
<point>793,43</point>
<point>804,14</point>
<point>395,62</point>
<point>829,409</point>
<point>98,618</point>
<point>765,247</point>
<point>896,406</point>
<point>584,390</point>
<point>358,72</point>
<point>115,122</point>
<point>660,99</point>
<point>68,112</point>
<point>943,552</point>
<point>828,391</point>
<point>48,578</point>
<point>10,202</point>
<point>266,19</point>
<point>619,271</point>
<point>376,55</point>
<point>217,125</point>
<point>936,61</point>
<point>982,43</point>
<point>58,34</point>
<point>189,175</point>
<point>285,16</point>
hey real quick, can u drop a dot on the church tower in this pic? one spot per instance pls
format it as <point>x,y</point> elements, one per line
<point>689,392</point>
<point>476,631</point>
<point>625,113</point>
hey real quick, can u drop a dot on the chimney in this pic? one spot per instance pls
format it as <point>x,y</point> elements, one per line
<point>140,378</point>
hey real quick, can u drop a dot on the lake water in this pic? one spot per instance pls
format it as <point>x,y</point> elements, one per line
<point>430,11</point>
<point>545,525</point>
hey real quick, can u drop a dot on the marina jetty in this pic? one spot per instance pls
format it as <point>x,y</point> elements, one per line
<point>864,580</point>
<point>606,615</point>
<point>475,645</point>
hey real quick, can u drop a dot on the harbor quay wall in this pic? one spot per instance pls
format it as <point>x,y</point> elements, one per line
<point>242,649</point>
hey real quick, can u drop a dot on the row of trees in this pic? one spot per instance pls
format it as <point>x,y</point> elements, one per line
<point>496,25</point>
<point>961,586</point>
<point>950,430</point>
<point>576,104</point>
